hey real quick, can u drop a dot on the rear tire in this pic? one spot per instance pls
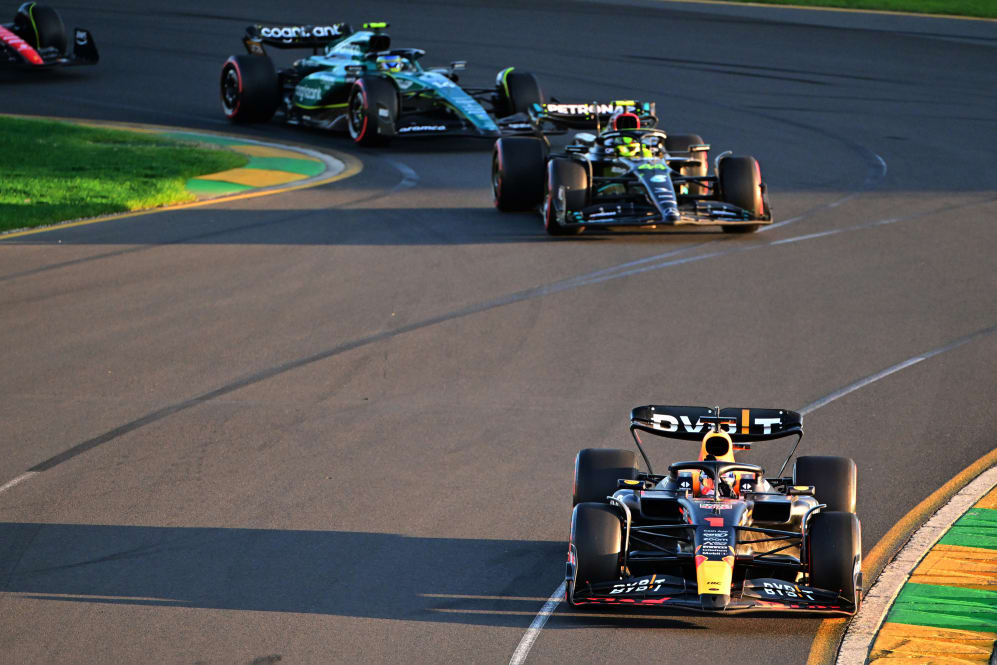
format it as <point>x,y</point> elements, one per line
<point>249,88</point>
<point>598,471</point>
<point>741,185</point>
<point>518,173</point>
<point>518,91</point>
<point>573,177</point>
<point>369,97</point>
<point>40,26</point>
<point>681,143</point>
<point>835,480</point>
<point>596,536</point>
<point>834,551</point>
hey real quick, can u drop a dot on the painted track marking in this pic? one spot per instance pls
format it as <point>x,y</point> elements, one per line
<point>17,481</point>
<point>526,643</point>
<point>533,632</point>
<point>508,299</point>
<point>863,628</point>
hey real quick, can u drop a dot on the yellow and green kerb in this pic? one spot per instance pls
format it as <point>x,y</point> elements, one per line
<point>267,167</point>
<point>947,611</point>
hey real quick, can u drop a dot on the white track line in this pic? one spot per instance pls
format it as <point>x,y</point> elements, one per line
<point>20,479</point>
<point>864,627</point>
<point>523,650</point>
<point>525,644</point>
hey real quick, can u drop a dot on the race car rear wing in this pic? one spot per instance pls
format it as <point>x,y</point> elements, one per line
<point>292,36</point>
<point>691,423</point>
<point>591,115</point>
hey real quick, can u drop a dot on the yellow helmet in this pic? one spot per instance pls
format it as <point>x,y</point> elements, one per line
<point>718,446</point>
<point>628,147</point>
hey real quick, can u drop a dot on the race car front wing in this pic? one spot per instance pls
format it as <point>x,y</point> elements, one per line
<point>753,595</point>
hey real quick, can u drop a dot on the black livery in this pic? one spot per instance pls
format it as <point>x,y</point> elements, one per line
<point>714,534</point>
<point>627,173</point>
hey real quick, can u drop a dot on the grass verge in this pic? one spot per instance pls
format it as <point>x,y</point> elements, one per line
<point>974,8</point>
<point>55,171</point>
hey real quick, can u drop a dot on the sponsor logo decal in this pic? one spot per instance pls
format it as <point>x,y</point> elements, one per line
<point>21,46</point>
<point>784,590</point>
<point>81,37</point>
<point>308,94</point>
<point>638,586</point>
<point>422,128</point>
<point>712,505</point>
<point>659,178</point>
<point>591,109</point>
<point>289,32</point>
<point>667,423</point>
<point>716,543</point>
<point>383,113</point>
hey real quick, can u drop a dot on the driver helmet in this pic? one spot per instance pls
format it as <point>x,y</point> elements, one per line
<point>627,146</point>
<point>717,446</point>
<point>389,63</point>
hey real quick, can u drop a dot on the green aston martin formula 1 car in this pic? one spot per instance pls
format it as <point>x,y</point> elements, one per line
<point>355,81</point>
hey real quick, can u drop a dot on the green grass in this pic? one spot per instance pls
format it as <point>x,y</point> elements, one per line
<point>53,171</point>
<point>977,8</point>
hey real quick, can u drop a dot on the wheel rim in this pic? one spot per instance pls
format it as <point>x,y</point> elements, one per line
<point>357,114</point>
<point>230,90</point>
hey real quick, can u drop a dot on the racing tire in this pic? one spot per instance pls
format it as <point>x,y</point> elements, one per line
<point>598,471</point>
<point>741,185</point>
<point>40,26</point>
<point>574,178</point>
<point>681,143</point>
<point>518,173</point>
<point>835,480</point>
<point>370,98</point>
<point>596,541</point>
<point>249,88</point>
<point>834,553</point>
<point>518,91</point>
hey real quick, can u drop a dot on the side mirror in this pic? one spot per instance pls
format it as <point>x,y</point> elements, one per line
<point>458,65</point>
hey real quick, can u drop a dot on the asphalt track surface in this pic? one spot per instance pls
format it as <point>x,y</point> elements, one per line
<point>338,424</point>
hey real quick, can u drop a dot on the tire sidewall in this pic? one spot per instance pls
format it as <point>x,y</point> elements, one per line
<point>359,134</point>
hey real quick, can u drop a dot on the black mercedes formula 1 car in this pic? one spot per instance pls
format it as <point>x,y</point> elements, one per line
<point>36,39</point>
<point>355,81</point>
<point>713,534</point>
<point>627,173</point>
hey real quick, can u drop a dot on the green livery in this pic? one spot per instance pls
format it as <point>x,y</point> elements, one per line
<point>355,81</point>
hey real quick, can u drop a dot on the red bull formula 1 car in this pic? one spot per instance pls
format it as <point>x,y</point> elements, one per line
<point>714,534</point>
<point>36,39</point>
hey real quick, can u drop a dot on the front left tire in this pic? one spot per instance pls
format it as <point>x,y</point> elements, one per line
<point>40,26</point>
<point>596,543</point>
<point>568,190</point>
<point>741,185</point>
<point>372,111</point>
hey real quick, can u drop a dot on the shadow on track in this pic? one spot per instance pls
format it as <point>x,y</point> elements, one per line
<point>376,575</point>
